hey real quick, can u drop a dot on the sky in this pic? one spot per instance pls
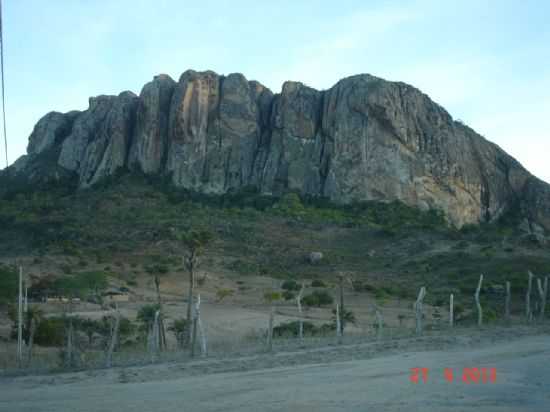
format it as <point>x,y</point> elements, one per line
<point>486,62</point>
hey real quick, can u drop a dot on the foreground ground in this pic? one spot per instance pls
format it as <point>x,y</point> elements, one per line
<point>381,383</point>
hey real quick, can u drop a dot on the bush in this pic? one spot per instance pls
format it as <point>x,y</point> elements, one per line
<point>360,286</point>
<point>288,295</point>
<point>291,329</point>
<point>318,298</point>
<point>348,317</point>
<point>146,315</point>
<point>318,284</point>
<point>50,332</point>
<point>271,296</point>
<point>157,269</point>
<point>290,285</point>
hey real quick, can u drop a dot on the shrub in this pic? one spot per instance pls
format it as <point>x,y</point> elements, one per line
<point>288,295</point>
<point>290,285</point>
<point>348,317</point>
<point>318,284</point>
<point>272,296</point>
<point>360,286</point>
<point>157,269</point>
<point>318,298</point>
<point>290,329</point>
<point>146,315</point>
<point>50,332</point>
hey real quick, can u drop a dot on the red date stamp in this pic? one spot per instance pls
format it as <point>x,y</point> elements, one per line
<point>466,375</point>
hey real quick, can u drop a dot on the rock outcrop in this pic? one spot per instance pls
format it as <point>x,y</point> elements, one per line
<point>363,139</point>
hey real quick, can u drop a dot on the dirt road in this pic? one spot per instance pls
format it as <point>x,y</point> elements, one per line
<point>378,384</point>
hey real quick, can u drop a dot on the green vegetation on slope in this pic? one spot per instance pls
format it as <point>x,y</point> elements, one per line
<point>390,247</point>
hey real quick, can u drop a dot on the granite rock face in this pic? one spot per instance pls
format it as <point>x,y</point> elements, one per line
<point>363,139</point>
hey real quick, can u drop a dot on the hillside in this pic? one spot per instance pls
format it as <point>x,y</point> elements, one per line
<point>125,226</point>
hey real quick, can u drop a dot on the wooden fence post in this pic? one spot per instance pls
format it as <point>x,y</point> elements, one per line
<point>114,338</point>
<point>451,310</point>
<point>270,329</point>
<point>476,296</point>
<point>507,302</point>
<point>202,334</point>
<point>154,337</point>
<point>25,300</point>
<point>194,334</point>
<point>528,313</point>
<point>338,324</point>
<point>418,309</point>
<point>379,323</point>
<point>543,293</point>
<point>69,349</point>
<point>301,318</point>
<point>20,320</point>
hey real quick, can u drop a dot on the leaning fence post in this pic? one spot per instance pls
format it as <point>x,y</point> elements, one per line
<point>528,313</point>
<point>507,302</point>
<point>451,310</point>
<point>476,296</point>
<point>418,309</point>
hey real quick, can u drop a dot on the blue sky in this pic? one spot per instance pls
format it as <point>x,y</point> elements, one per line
<point>486,62</point>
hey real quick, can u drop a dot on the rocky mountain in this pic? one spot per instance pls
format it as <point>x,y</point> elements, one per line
<point>363,139</point>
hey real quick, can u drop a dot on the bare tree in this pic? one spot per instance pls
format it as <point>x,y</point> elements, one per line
<point>195,243</point>
<point>476,296</point>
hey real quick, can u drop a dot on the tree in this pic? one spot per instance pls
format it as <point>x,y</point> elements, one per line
<point>156,271</point>
<point>195,242</point>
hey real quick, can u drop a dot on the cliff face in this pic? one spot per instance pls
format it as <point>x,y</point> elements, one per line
<point>363,139</point>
